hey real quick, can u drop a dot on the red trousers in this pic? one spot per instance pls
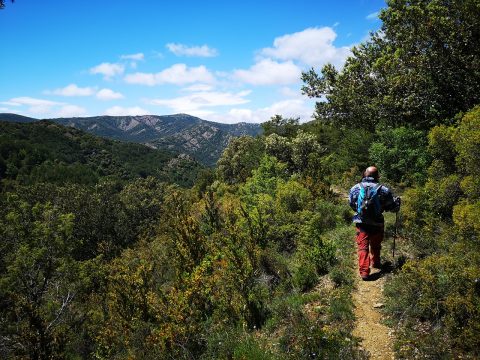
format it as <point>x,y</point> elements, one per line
<point>369,243</point>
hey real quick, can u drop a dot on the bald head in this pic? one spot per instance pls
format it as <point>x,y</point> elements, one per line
<point>371,171</point>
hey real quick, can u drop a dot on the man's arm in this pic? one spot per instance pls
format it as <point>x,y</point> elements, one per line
<point>389,202</point>
<point>353,197</point>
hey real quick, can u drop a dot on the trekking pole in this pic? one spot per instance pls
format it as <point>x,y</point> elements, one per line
<point>395,234</point>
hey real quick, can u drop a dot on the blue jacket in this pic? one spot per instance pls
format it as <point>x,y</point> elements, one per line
<point>387,202</point>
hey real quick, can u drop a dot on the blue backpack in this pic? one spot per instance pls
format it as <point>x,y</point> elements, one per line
<point>368,203</point>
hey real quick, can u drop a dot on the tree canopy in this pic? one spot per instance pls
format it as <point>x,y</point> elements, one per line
<point>420,69</point>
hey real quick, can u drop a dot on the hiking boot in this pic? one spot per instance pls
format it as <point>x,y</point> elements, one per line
<point>365,277</point>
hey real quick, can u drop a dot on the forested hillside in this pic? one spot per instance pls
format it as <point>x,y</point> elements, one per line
<point>104,256</point>
<point>203,140</point>
<point>47,152</point>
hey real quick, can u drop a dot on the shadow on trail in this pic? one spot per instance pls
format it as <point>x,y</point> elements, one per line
<point>387,268</point>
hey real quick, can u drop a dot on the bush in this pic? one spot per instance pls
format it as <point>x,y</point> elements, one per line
<point>293,197</point>
<point>236,343</point>
<point>341,275</point>
<point>438,292</point>
<point>443,195</point>
<point>401,155</point>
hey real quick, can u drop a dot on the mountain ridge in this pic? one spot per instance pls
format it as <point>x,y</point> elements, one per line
<point>204,140</point>
<point>45,151</point>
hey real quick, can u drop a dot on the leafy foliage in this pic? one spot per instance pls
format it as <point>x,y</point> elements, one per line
<point>426,52</point>
<point>142,269</point>
<point>401,154</point>
<point>46,152</point>
<point>435,299</point>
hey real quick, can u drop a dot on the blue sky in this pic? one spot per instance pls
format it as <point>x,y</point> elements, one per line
<point>223,61</point>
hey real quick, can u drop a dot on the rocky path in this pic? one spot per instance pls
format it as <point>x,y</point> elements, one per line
<point>377,338</point>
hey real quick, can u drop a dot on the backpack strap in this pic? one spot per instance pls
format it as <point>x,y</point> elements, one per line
<point>367,188</point>
<point>378,187</point>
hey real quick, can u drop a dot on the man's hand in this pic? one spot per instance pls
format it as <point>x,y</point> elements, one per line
<point>398,202</point>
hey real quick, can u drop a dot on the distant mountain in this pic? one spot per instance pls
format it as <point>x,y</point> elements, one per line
<point>43,151</point>
<point>16,118</point>
<point>204,140</point>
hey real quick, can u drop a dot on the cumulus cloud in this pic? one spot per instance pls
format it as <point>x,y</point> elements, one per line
<point>29,101</point>
<point>70,111</point>
<point>287,108</point>
<point>108,94</point>
<point>108,70</point>
<point>47,108</point>
<point>126,111</point>
<point>198,87</point>
<point>133,59</point>
<point>35,106</point>
<point>200,100</point>
<point>72,90</point>
<point>312,46</point>
<point>198,51</point>
<point>9,103</point>
<point>289,92</point>
<point>269,72</point>
<point>178,74</point>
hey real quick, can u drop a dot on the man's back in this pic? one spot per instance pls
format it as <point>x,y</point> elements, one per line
<point>387,202</point>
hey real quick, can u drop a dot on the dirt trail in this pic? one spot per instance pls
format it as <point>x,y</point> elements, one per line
<point>377,338</point>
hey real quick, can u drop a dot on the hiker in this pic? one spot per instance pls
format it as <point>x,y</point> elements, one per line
<point>369,199</point>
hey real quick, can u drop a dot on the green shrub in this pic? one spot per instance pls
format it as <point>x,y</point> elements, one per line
<point>250,349</point>
<point>466,218</point>
<point>443,195</point>
<point>401,154</point>
<point>233,343</point>
<point>441,146</point>
<point>439,292</point>
<point>341,275</point>
<point>467,143</point>
<point>293,197</point>
<point>305,276</point>
<point>341,305</point>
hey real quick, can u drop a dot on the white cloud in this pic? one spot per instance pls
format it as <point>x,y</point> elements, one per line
<point>25,100</point>
<point>287,108</point>
<point>47,108</point>
<point>184,50</point>
<point>36,106</point>
<point>269,72</point>
<point>200,100</point>
<point>372,16</point>
<point>136,57</point>
<point>141,78</point>
<point>70,111</point>
<point>126,111</point>
<point>289,92</point>
<point>133,59</point>
<point>74,90</point>
<point>178,74</point>
<point>71,90</point>
<point>312,46</point>
<point>9,103</point>
<point>107,94</point>
<point>108,70</point>
<point>198,87</point>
